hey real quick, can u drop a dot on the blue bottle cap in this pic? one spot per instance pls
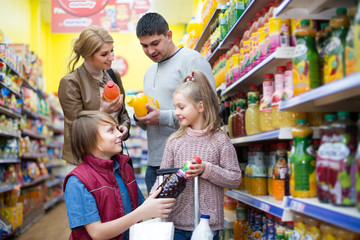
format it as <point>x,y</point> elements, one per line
<point>205,216</point>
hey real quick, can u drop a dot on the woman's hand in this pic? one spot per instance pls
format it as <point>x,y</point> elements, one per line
<point>113,106</point>
<point>196,170</point>
<point>156,207</point>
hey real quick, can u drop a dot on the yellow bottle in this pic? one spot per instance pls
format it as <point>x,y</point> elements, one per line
<point>313,229</point>
<point>139,101</point>
<point>303,178</point>
<point>252,118</point>
<point>299,226</point>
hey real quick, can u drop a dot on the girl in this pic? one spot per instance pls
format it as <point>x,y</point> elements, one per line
<point>197,108</point>
<point>81,89</point>
<point>101,194</point>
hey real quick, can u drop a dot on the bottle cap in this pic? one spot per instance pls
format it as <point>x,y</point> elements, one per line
<point>301,121</point>
<point>110,84</point>
<point>269,76</point>
<point>323,25</point>
<point>305,22</point>
<point>330,116</point>
<point>129,99</point>
<point>280,68</point>
<point>343,114</point>
<point>289,64</point>
<point>197,159</point>
<point>341,10</point>
<point>281,145</point>
<point>204,216</point>
<point>253,87</point>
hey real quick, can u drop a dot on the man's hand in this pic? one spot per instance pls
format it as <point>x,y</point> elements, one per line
<point>152,118</point>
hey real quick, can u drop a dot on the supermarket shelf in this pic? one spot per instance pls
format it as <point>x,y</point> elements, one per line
<point>341,95</point>
<point>6,188</point>
<point>310,9</point>
<point>5,133</point>
<point>36,181</point>
<point>2,84</point>
<point>51,203</point>
<point>56,163</point>
<point>32,134</point>
<point>256,75</point>
<point>9,112</point>
<point>34,155</point>
<point>54,182</point>
<point>14,160</point>
<point>206,33</point>
<point>346,217</point>
<point>11,67</point>
<point>264,203</point>
<point>280,134</point>
<point>239,28</point>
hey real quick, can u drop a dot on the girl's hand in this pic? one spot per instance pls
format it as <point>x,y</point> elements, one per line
<point>113,106</point>
<point>156,207</point>
<point>196,170</point>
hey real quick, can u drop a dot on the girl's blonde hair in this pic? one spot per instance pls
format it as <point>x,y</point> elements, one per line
<point>84,132</point>
<point>89,42</point>
<point>196,87</point>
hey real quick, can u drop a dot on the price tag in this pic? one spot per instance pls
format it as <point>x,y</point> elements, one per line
<point>264,207</point>
<point>297,206</point>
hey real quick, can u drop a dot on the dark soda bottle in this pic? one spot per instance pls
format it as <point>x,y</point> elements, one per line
<point>174,184</point>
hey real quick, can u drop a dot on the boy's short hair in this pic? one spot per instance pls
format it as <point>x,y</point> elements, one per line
<point>151,24</point>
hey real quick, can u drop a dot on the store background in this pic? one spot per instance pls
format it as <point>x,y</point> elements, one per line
<point>31,24</point>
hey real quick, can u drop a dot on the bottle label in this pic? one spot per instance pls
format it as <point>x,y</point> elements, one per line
<point>265,103</point>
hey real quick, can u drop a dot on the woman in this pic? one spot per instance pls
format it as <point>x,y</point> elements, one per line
<point>81,89</point>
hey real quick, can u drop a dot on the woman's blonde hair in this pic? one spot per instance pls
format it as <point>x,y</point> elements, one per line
<point>196,87</point>
<point>84,132</point>
<point>89,42</point>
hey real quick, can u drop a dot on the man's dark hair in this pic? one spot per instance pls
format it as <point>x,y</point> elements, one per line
<point>151,24</point>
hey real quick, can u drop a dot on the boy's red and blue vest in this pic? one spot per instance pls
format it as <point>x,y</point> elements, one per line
<point>98,177</point>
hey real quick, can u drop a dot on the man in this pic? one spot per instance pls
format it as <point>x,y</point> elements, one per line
<point>171,65</point>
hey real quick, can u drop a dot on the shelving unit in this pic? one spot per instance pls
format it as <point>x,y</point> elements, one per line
<point>341,95</point>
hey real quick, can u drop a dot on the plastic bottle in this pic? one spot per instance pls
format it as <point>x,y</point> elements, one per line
<point>315,119</point>
<point>231,118</point>
<point>336,59</point>
<point>265,103</point>
<point>252,120</point>
<point>280,172</point>
<point>174,184</point>
<point>111,91</point>
<point>342,167</point>
<point>139,101</point>
<point>303,174</point>
<point>350,60</point>
<point>313,229</point>
<point>249,170</point>
<point>323,159</point>
<point>277,96</point>
<point>259,175</point>
<point>299,226</point>
<point>288,82</point>
<point>272,163</point>
<point>202,230</point>
<point>306,61</point>
<point>343,234</point>
<point>239,118</point>
<point>240,222</point>
<point>357,36</point>
<point>321,39</point>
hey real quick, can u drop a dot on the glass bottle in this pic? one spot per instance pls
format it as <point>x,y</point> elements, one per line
<point>174,184</point>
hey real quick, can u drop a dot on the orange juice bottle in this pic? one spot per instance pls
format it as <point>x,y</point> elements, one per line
<point>265,103</point>
<point>249,169</point>
<point>139,101</point>
<point>350,60</point>
<point>240,222</point>
<point>272,163</point>
<point>306,61</point>
<point>280,172</point>
<point>303,174</point>
<point>252,119</point>
<point>336,59</point>
<point>259,175</point>
<point>277,96</point>
<point>111,91</point>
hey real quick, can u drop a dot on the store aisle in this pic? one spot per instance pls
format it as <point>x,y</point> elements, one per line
<point>52,226</point>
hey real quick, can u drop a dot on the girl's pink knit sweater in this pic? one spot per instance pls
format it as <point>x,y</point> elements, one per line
<point>221,171</point>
